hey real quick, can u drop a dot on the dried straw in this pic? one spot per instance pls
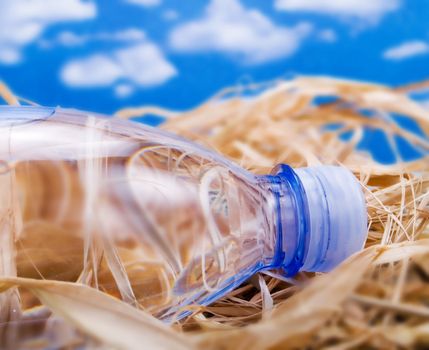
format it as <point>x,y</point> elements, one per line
<point>378,298</point>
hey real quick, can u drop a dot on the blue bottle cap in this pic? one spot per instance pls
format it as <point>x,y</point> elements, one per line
<point>337,216</point>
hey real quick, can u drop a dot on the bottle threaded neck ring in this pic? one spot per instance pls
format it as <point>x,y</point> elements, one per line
<point>292,219</point>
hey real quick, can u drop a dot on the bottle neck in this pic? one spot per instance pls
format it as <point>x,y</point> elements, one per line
<point>320,215</point>
<point>291,215</point>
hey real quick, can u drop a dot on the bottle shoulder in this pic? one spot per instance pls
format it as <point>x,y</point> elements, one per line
<point>53,133</point>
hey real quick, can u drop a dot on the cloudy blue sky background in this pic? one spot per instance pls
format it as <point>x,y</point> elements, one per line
<point>103,55</point>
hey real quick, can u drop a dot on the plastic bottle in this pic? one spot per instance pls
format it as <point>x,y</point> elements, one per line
<point>159,221</point>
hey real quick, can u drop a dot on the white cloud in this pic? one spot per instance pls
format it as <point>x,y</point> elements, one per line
<point>327,35</point>
<point>406,50</point>
<point>95,70</point>
<point>68,38</point>
<point>71,39</point>
<point>170,15</point>
<point>145,3</point>
<point>142,64</point>
<point>367,10</point>
<point>124,90</point>
<point>132,34</point>
<point>23,21</point>
<point>247,34</point>
<point>145,64</point>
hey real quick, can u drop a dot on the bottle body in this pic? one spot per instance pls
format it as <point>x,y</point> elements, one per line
<point>143,215</point>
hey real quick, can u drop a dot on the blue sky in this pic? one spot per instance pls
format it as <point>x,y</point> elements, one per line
<point>104,55</point>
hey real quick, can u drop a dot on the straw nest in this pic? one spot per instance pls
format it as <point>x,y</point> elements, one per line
<point>379,298</point>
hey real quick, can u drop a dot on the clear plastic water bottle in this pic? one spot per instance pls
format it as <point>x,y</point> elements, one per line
<point>159,221</point>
